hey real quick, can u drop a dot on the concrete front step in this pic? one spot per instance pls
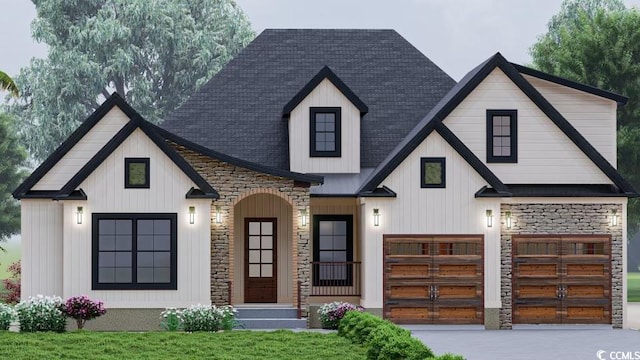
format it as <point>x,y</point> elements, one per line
<point>273,323</point>
<point>270,317</point>
<point>267,313</point>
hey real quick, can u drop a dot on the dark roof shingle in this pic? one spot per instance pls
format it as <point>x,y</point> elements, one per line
<point>239,111</point>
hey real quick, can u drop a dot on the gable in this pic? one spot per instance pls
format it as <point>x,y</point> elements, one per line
<point>593,116</point>
<point>83,150</point>
<point>168,183</point>
<point>545,154</point>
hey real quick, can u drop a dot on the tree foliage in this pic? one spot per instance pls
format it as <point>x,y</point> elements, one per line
<point>12,160</point>
<point>597,42</point>
<point>7,83</point>
<point>154,53</point>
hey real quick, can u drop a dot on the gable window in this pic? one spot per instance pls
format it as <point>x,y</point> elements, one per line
<point>332,250</point>
<point>136,173</point>
<point>134,252</point>
<point>325,132</point>
<point>502,136</point>
<point>432,172</point>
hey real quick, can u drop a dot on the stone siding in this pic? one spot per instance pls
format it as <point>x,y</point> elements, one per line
<point>235,183</point>
<point>560,219</point>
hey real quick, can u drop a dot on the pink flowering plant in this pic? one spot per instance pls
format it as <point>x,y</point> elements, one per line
<point>332,313</point>
<point>82,309</point>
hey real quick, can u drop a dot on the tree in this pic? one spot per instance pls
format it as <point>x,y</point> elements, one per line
<point>7,84</point>
<point>154,53</point>
<point>11,174</point>
<point>597,42</point>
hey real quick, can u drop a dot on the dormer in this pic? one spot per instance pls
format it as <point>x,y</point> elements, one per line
<point>324,126</point>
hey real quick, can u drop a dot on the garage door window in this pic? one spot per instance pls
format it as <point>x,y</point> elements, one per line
<point>332,250</point>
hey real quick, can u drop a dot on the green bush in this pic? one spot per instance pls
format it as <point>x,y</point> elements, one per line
<point>381,335</point>
<point>449,356</point>
<point>7,314</point>
<point>42,313</point>
<point>356,326</point>
<point>403,347</point>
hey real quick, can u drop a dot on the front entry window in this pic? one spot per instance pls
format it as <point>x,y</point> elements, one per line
<point>332,250</point>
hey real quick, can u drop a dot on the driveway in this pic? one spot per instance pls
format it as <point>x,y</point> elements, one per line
<point>532,342</point>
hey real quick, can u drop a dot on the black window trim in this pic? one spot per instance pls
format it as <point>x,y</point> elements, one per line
<point>513,158</point>
<point>443,172</point>
<point>171,285</point>
<point>316,249</point>
<point>137,160</point>
<point>312,131</point>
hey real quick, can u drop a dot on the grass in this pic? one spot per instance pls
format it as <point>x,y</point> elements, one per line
<point>7,258</point>
<point>281,344</point>
<point>633,287</point>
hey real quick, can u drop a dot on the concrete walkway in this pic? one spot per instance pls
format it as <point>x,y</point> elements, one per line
<point>532,342</point>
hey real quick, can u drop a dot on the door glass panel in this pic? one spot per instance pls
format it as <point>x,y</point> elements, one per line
<point>267,270</point>
<point>267,228</point>
<point>267,256</point>
<point>254,270</point>
<point>267,242</point>
<point>254,228</point>
<point>254,256</point>
<point>254,242</point>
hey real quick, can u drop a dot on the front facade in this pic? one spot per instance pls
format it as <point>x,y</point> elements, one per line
<point>352,176</point>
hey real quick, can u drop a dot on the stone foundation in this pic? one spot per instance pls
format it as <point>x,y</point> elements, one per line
<point>560,219</point>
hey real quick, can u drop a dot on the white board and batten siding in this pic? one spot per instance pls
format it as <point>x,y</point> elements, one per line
<point>64,248</point>
<point>83,151</point>
<point>545,154</point>
<point>324,95</point>
<point>449,210</point>
<point>593,116</point>
<point>41,244</point>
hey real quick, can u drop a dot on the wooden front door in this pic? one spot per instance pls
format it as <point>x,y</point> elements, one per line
<point>562,279</point>
<point>433,279</point>
<point>261,241</point>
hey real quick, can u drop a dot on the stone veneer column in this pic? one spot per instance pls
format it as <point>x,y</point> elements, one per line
<point>560,219</point>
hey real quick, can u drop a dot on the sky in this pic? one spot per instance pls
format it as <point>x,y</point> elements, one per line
<point>456,35</point>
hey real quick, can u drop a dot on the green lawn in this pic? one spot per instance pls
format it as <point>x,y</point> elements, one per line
<point>280,344</point>
<point>7,258</point>
<point>633,287</point>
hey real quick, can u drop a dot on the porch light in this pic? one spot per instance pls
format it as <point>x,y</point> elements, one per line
<point>376,217</point>
<point>507,215</point>
<point>614,217</point>
<point>192,215</point>
<point>489,218</point>
<point>79,215</point>
<point>303,217</point>
<point>218,215</point>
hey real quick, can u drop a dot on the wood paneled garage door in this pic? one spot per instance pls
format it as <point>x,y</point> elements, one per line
<point>562,279</point>
<point>433,279</point>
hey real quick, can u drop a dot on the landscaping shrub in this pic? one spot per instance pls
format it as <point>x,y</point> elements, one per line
<point>381,335</point>
<point>41,313</point>
<point>356,326</point>
<point>82,309</point>
<point>171,319</point>
<point>400,346</point>
<point>205,318</point>
<point>11,293</point>
<point>7,315</point>
<point>332,313</point>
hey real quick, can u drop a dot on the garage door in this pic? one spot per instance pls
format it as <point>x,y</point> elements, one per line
<point>433,279</point>
<point>562,279</point>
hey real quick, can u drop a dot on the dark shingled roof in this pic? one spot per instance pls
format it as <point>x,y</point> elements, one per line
<point>239,111</point>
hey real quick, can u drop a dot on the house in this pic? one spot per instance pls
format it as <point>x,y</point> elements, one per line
<point>324,165</point>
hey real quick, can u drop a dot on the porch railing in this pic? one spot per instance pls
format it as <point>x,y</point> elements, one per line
<point>336,278</point>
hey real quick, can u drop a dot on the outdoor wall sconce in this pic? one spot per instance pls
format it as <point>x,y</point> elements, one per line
<point>507,215</point>
<point>489,218</point>
<point>376,217</point>
<point>79,212</point>
<point>218,215</point>
<point>192,215</point>
<point>614,217</point>
<point>304,217</point>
